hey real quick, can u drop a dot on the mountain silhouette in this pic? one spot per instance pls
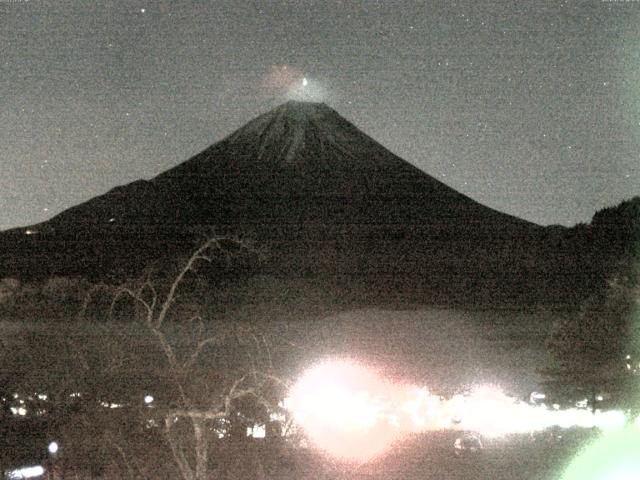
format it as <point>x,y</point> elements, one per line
<point>321,195</point>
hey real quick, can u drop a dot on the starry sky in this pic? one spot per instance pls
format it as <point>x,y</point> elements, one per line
<point>530,107</point>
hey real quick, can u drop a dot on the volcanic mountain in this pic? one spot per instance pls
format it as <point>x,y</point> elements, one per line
<point>319,194</point>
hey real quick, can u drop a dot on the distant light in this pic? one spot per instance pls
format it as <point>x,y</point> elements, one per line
<point>53,447</point>
<point>258,431</point>
<point>112,219</point>
<point>30,232</point>
<point>610,420</point>
<point>151,423</point>
<point>27,472</point>
<point>277,417</point>
<point>599,398</point>
<point>582,403</point>
<point>537,396</point>
<point>148,399</point>
<point>42,396</point>
<point>142,10</point>
<point>307,90</point>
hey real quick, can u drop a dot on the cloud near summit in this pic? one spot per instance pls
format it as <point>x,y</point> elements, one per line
<point>281,78</point>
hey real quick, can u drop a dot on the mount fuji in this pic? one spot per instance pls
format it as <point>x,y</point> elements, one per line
<point>318,193</point>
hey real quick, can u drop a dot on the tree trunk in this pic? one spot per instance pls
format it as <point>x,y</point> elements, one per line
<point>201,447</point>
<point>186,472</point>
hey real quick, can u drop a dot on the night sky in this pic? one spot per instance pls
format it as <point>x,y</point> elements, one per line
<point>530,107</point>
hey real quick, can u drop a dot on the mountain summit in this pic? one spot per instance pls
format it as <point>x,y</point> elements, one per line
<point>322,195</point>
<point>298,147</point>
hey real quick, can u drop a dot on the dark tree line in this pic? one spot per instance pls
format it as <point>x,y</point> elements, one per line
<point>597,346</point>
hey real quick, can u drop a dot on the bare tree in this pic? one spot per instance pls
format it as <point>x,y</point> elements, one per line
<point>199,375</point>
<point>184,341</point>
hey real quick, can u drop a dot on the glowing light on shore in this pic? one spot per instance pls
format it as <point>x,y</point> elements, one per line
<point>352,413</point>
<point>342,408</point>
<point>492,413</point>
<point>26,472</point>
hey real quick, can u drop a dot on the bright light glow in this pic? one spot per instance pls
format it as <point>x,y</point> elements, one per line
<point>148,399</point>
<point>277,417</point>
<point>352,413</point>
<point>27,472</point>
<point>343,408</point>
<point>614,456</point>
<point>582,403</point>
<point>257,431</point>
<point>42,396</point>
<point>535,396</point>
<point>307,90</point>
<point>53,447</point>
<point>19,411</point>
<point>492,413</point>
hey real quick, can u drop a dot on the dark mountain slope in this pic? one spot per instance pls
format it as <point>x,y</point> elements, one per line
<point>320,194</point>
